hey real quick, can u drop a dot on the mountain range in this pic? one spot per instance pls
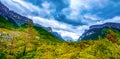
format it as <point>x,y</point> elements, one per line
<point>21,20</point>
<point>96,30</point>
<point>43,38</point>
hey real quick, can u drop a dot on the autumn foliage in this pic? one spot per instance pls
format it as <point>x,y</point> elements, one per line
<point>111,36</point>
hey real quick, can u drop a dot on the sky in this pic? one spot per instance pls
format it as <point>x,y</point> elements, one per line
<point>70,18</point>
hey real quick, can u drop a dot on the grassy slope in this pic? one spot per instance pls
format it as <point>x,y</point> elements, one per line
<point>46,46</point>
<point>46,35</point>
<point>4,23</point>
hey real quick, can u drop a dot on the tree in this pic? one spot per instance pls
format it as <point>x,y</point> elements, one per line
<point>111,36</point>
<point>29,36</point>
<point>11,46</point>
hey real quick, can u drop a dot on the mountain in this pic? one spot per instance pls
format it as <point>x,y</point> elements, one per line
<point>12,16</point>
<point>49,29</point>
<point>10,19</point>
<point>19,20</point>
<point>100,30</point>
<point>68,39</point>
<point>29,42</point>
<point>57,35</point>
<point>34,42</point>
<point>42,33</point>
<point>21,39</point>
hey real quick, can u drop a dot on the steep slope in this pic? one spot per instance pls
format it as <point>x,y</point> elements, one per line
<point>4,23</point>
<point>96,31</point>
<point>47,36</point>
<point>49,29</point>
<point>57,35</point>
<point>12,16</point>
<point>43,34</point>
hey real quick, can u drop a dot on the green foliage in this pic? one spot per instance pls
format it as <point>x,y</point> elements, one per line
<point>46,36</point>
<point>31,42</point>
<point>4,23</point>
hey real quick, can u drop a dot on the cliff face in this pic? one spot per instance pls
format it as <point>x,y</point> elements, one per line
<point>18,19</point>
<point>96,30</point>
<point>109,25</point>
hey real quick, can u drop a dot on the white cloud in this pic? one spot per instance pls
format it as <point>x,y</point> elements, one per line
<point>70,31</point>
<point>79,6</point>
<point>91,17</point>
<point>25,8</point>
<point>46,5</point>
<point>115,19</point>
<point>20,6</point>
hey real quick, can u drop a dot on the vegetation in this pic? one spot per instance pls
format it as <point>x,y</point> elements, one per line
<point>31,42</point>
<point>4,23</point>
<point>102,33</point>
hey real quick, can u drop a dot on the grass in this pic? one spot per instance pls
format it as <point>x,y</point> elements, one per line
<point>43,48</point>
<point>40,44</point>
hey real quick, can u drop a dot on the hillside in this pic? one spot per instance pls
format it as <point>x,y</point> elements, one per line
<point>29,41</point>
<point>95,34</point>
<point>97,31</point>
<point>5,23</point>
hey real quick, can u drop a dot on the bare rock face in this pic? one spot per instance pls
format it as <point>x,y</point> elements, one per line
<point>97,28</point>
<point>18,19</point>
<point>108,25</point>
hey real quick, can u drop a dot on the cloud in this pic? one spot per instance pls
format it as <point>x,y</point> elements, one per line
<point>20,6</point>
<point>78,9</point>
<point>46,5</point>
<point>62,28</point>
<point>115,19</point>
<point>25,8</point>
<point>96,8</point>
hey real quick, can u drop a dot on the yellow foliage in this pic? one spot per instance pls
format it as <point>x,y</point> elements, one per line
<point>40,49</point>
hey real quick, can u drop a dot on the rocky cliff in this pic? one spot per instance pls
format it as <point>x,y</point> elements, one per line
<point>109,25</point>
<point>18,19</point>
